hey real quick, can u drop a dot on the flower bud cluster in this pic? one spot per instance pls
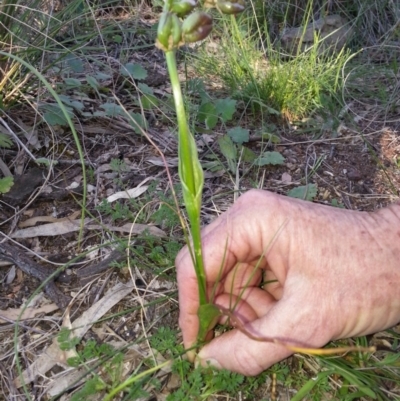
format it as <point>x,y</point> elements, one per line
<point>173,32</point>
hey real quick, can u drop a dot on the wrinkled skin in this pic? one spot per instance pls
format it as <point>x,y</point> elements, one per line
<point>336,274</point>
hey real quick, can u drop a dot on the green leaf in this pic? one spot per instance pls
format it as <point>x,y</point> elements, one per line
<point>208,114</point>
<point>101,76</point>
<point>271,137</point>
<point>211,121</point>
<point>208,317</point>
<point>74,63</point>
<point>228,148</point>
<point>112,109</point>
<point>248,155</point>
<point>239,135</point>
<point>5,184</point>
<point>226,108</point>
<point>5,141</point>
<point>75,104</point>
<point>146,89</point>
<point>306,192</point>
<point>53,115</point>
<point>140,120</point>
<point>305,390</point>
<point>266,158</point>
<point>117,39</point>
<point>72,82</point>
<point>92,81</point>
<point>390,359</point>
<point>196,85</point>
<point>136,71</point>
<point>149,101</point>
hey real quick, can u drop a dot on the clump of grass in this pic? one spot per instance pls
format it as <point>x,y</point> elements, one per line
<point>263,80</point>
<point>251,63</point>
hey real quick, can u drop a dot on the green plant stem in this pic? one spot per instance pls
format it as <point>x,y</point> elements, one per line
<point>190,174</point>
<point>134,379</point>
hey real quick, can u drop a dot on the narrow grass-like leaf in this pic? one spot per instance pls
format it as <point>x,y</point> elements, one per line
<point>305,390</point>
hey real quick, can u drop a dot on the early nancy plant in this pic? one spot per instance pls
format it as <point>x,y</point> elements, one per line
<point>179,24</point>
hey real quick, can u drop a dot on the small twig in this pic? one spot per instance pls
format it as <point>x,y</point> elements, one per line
<point>14,135</point>
<point>13,323</point>
<point>44,274</point>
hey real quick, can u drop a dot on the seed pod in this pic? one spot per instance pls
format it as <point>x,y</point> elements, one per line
<point>169,32</point>
<point>183,7</point>
<point>196,27</point>
<point>230,7</point>
<point>176,31</point>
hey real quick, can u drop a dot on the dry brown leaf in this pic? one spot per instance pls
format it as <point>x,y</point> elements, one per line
<point>28,313</point>
<point>128,194</point>
<point>48,219</point>
<point>51,229</point>
<point>286,178</point>
<point>158,161</point>
<point>64,227</point>
<point>53,355</point>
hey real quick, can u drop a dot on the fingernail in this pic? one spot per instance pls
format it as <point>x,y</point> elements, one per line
<point>207,362</point>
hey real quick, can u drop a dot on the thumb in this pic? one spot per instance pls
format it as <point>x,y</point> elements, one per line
<point>237,352</point>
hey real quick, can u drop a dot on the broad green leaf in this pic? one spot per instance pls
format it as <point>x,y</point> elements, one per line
<point>117,39</point>
<point>75,104</point>
<point>306,192</point>
<point>53,115</point>
<point>101,76</point>
<point>226,108</point>
<point>248,155</point>
<point>92,81</point>
<point>140,120</point>
<point>74,63</point>
<point>5,141</point>
<point>136,71</point>
<point>72,82</point>
<point>269,158</point>
<point>208,114</point>
<point>5,184</point>
<point>208,317</point>
<point>146,89</point>
<point>112,109</point>
<point>239,135</point>
<point>228,148</point>
<point>149,102</point>
<point>211,121</point>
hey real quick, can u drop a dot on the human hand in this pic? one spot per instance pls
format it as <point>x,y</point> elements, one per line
<point>335,273</point>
